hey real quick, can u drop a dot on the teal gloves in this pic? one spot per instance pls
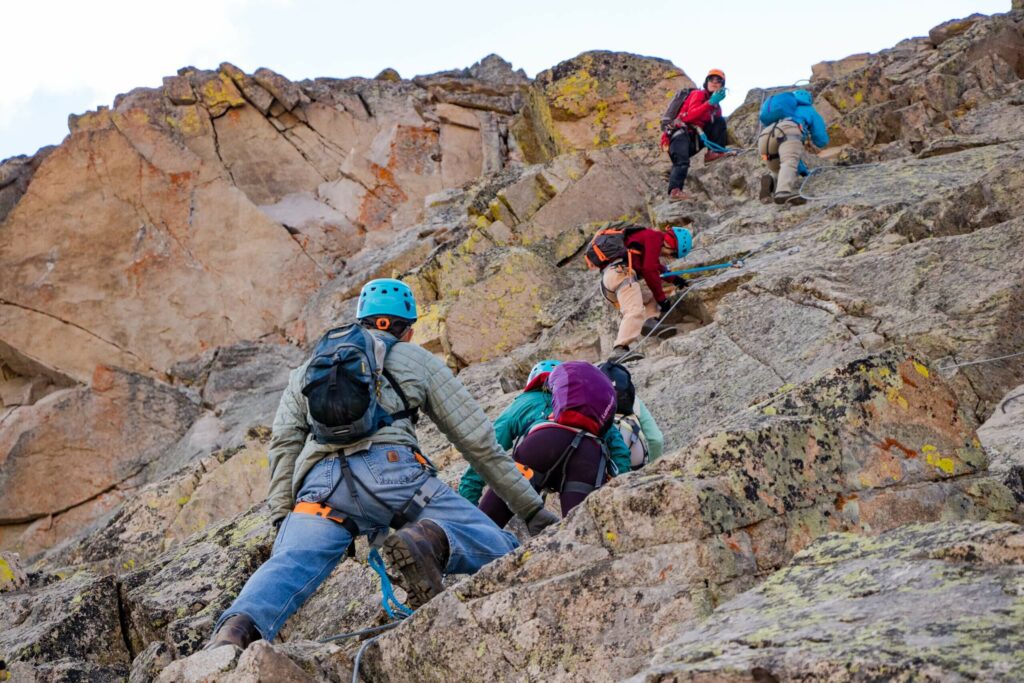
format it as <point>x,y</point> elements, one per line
<point>717,96</point>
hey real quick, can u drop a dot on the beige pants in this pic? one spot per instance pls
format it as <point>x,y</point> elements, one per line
<point>635,302</point>
<point>783,140</point>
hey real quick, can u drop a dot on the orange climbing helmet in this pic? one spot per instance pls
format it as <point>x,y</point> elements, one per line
<point>714,72</point>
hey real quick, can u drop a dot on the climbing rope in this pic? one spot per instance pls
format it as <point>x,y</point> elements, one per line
<point>715,147</point>
<point>392,605</point>
<point>359,657</point>
<point>396,611</point>
<point>361,632</point>
<point>981,361</point>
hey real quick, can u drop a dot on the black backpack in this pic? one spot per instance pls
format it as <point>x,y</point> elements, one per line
<point>625,392</point>
<point>608,245</point>
<point>342,385</point>
<point>673,110</point>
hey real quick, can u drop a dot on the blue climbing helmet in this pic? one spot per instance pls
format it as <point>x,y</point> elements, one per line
<point>684,241</point>
<point>539,373</point>
<point>386,296</point>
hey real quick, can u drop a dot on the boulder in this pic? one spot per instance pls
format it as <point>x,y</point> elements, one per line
<point>922,602</point>
<point>69,625</point>
<point>601,98</point>
<point>114,428</point>
<point>950,29</point>
<point>873,445</point>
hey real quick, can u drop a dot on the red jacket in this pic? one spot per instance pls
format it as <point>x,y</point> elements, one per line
<point>645,258</point>
<point>697,111</point>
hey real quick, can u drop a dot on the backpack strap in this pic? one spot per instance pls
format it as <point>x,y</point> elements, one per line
<point>409,413</point>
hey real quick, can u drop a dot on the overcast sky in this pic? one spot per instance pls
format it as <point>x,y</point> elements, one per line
<point>70,57</point>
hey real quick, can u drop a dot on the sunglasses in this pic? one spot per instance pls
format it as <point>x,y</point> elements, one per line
<point>716,79</point>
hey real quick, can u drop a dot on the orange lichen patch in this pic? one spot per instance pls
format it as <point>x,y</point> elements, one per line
<point>889,443</point>
<point>414,150</point>
<point>182,179</point>
<point>842,500</point>
<point>103,378</point>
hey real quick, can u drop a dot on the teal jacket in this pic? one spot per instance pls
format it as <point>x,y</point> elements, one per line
<point>529,408</point>
<point>655,439</point>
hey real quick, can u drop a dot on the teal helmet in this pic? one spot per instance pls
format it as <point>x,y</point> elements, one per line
<point>683,240</point>
<point>386,296</point>
<point>539,373</point>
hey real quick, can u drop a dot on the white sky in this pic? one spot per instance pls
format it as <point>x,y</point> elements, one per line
<point>68,57</point>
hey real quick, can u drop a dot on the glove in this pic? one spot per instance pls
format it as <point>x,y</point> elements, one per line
<point>540,520</point>
<point>717,96</point>
<point>664,306</point>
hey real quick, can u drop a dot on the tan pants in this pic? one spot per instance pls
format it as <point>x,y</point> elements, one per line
<point>636,303</point>
<point>784,141</point>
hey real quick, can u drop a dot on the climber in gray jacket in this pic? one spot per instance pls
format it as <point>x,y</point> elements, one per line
<point>323,494</point>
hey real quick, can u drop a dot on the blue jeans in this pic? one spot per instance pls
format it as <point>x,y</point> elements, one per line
<point>309,547</point>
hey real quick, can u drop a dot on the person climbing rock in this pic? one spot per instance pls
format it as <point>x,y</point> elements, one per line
<point>627,254</point>
<point>789,119</point>
<point>690,113</point>
<point>529,408</point>
<point>344,461</point>
<point>566,455</point>
<point>633,420</point>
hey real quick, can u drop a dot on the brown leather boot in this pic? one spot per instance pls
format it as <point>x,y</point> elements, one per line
<point>420,552</point>
<point>238,630</point>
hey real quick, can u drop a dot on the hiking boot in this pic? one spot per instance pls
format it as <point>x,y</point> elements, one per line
<point>238,630</point>
<point>622,354</point>
<point>420,552</point>
<point>714,156</point>
<point>791,198</point>
<point>767,187</point>
<point>678,195</point>
<point>666,332</point>
<point>649,326</point>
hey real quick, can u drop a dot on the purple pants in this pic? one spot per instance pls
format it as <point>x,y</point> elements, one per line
<point>540,450</point>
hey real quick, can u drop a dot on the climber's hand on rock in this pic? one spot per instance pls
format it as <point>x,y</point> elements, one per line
<point>540,520</point>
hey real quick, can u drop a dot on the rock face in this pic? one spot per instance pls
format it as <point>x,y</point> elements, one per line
<point>868,447</point>
<point>851,608</point>
<point>962,80</point>
<point>117,426</point>
<point>200,236</point>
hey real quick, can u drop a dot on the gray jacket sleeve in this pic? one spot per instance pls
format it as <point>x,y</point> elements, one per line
<point>461,419</point>
<point>286,441</point>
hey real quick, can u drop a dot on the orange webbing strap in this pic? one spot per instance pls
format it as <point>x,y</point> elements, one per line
<point>526,471</point>
<point>319,510</point>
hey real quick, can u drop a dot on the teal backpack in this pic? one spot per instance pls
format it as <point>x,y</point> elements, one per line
<point>777,107</point>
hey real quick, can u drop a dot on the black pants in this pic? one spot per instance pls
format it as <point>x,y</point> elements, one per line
<point>685,144</point>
